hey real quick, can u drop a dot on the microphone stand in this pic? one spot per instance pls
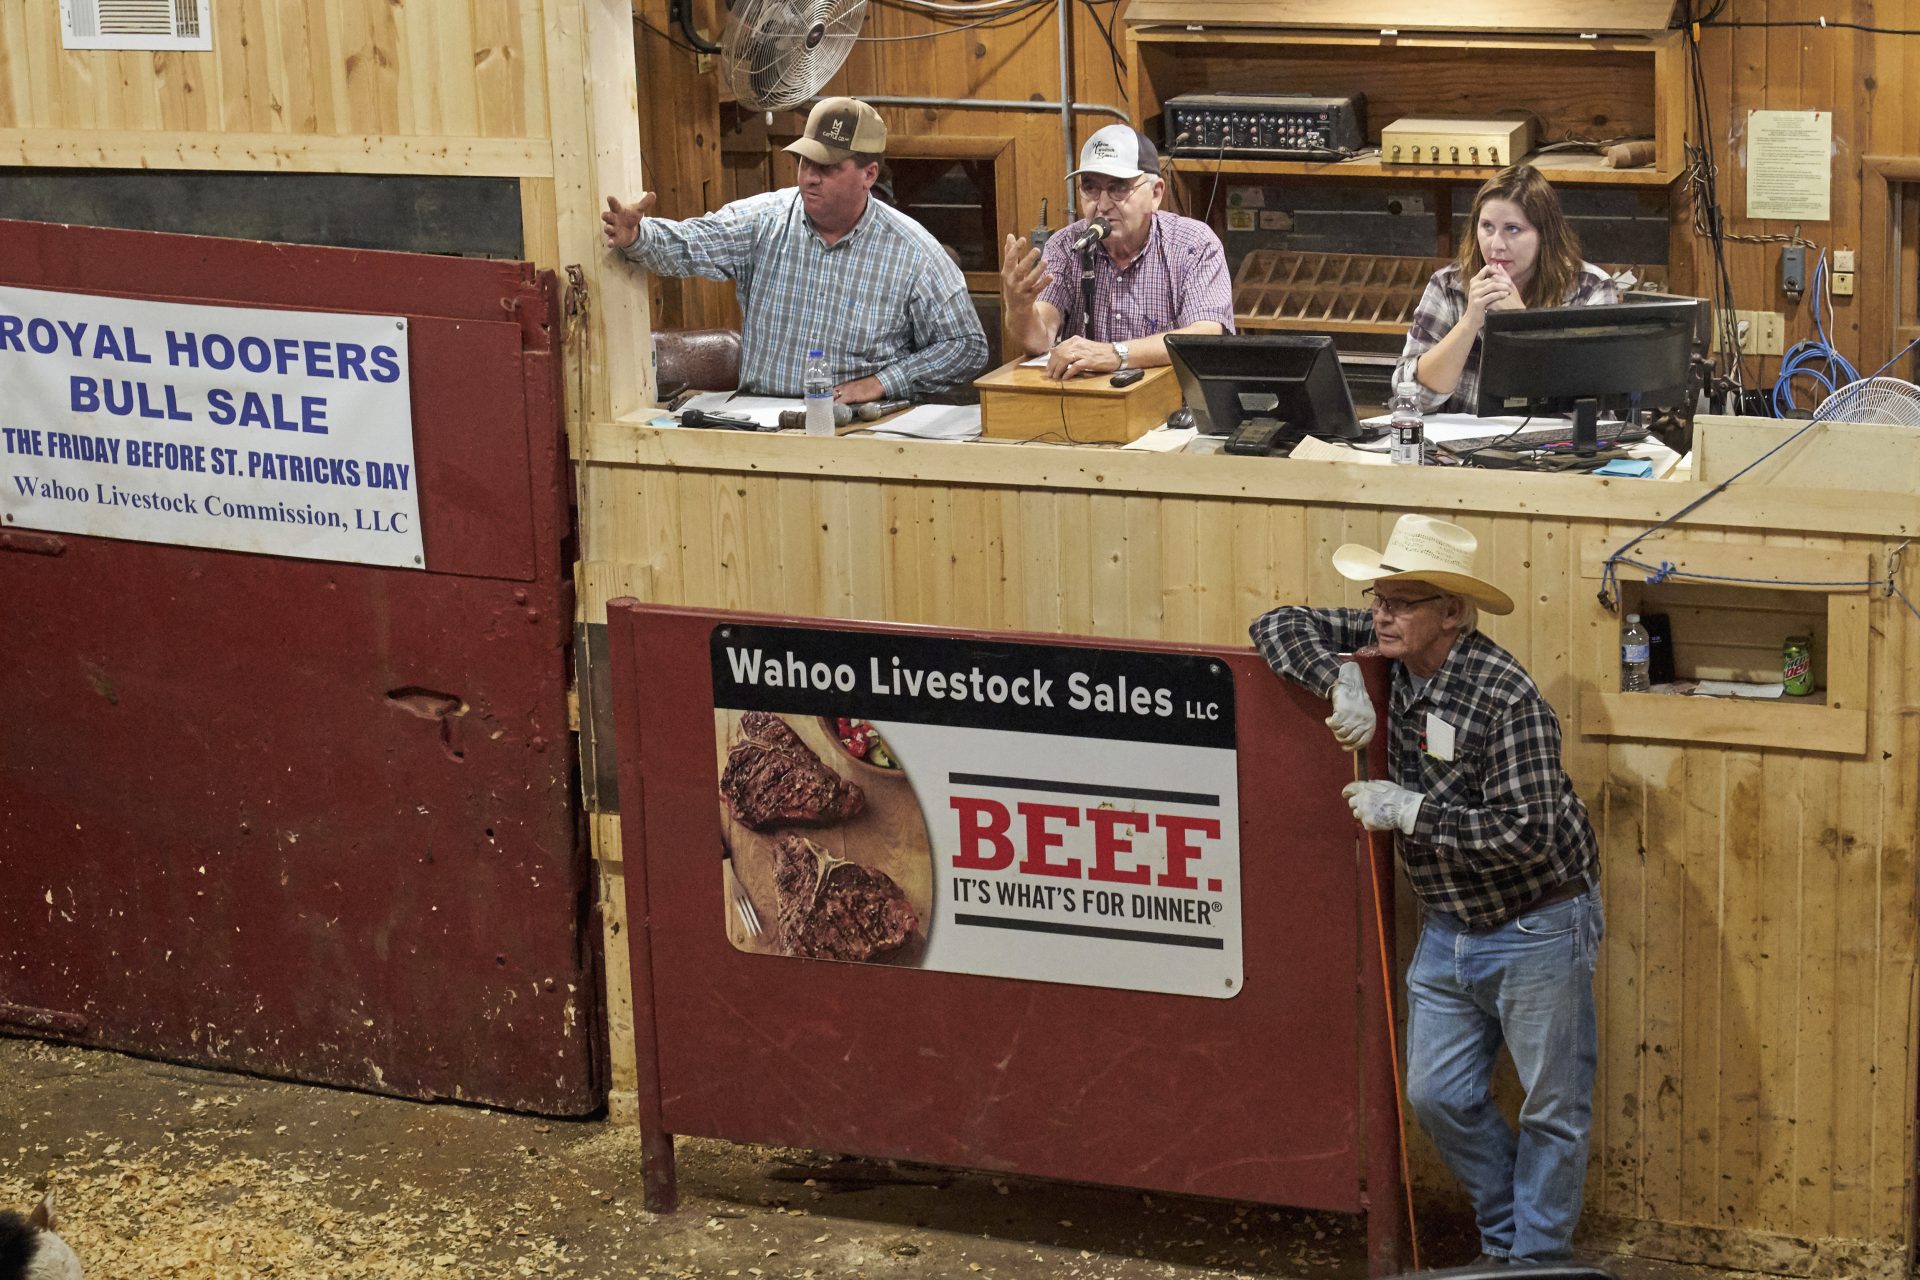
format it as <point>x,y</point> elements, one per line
<point>1086,289</point>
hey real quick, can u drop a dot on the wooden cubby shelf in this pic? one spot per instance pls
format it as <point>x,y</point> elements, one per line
<point>1733,630</point>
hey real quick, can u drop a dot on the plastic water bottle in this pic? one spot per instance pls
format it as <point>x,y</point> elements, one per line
<point>1635,649</point>
<point>819,387</point>
<point>1409,429</point>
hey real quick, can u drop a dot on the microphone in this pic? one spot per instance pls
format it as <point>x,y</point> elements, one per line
<point>1097,230</point>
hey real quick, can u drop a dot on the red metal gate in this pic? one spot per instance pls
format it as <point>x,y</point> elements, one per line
<point>302,818</point>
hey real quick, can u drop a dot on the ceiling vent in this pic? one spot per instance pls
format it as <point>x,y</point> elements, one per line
<point>135,24</point>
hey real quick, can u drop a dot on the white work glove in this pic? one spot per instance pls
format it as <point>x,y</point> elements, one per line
<point>1353,717</point>
<point>1383,806</point>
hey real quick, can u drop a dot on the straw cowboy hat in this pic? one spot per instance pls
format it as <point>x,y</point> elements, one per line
<point>1423,549</point>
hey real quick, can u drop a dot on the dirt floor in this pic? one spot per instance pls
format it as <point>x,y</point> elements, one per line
<point>161,1171</point>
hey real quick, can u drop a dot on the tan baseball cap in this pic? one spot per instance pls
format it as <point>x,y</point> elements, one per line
<point>837,128</point>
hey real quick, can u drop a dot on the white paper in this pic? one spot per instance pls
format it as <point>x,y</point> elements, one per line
<point>933,422</point>
<point>1738,689</point>
<point>1445,428</point>
<point>1038,362</point>
<point>1790,165</point>
<point>1439,738</point>
<point>1163,439</point>
<point>1314,449</point>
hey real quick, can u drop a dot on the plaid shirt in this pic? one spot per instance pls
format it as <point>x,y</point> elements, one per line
<point>1179,279</point>
<point>1441,307</point>
<point>1500,823</point>
<point>884,300</point>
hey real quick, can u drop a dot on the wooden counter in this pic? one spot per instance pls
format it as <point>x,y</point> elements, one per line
<point>1756,988</point>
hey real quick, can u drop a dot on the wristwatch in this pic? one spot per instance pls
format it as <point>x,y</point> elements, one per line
<point>1120,353</point>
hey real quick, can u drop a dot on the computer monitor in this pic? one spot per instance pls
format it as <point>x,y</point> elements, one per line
<point>1241,385</point>
<point>1584,359</point>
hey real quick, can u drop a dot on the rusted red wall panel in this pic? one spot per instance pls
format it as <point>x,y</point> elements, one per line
<point>233,827</point>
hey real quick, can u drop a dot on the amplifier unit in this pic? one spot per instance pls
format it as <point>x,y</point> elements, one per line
<point>1450,140</point>
<point>1270,126</point>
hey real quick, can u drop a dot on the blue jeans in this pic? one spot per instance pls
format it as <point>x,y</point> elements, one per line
<point>1529,983</point>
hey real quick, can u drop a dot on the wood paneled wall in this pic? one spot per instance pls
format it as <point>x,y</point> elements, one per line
<point>1757,1077</point>
<point>282,80</point>
<point>1864,79</point>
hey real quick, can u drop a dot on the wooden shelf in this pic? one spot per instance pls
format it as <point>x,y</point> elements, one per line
<point>1750,722</point>
<point>1574,169</point>
<point>1284,324</point>
<point>1717,592</point>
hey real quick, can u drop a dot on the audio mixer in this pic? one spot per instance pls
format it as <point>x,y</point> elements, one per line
<point>1265,126</point>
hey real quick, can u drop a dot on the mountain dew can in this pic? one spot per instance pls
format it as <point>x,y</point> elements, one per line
<point>1796,665</point>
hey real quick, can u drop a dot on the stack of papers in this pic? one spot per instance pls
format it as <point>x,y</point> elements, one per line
<point>1163,439</point>
<point>933,422</point>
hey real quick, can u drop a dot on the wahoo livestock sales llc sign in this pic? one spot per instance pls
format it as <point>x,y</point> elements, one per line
<point>280,432</point>
<point>1052,813</point>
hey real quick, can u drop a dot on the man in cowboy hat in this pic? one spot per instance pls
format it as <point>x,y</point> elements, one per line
<point>1499,851</point>
<point>822,263</point>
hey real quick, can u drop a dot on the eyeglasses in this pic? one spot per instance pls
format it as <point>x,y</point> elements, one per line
<point>1093,189</point>
<point>1394,608</point>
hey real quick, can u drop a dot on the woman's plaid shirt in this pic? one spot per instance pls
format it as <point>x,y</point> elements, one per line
<point>1441,307</point>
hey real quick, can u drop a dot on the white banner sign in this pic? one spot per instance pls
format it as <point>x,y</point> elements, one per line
<point>280,432</point>
<point>1048,812</point>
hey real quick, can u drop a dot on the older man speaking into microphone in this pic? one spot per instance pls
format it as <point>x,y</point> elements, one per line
<point>1154,272</point>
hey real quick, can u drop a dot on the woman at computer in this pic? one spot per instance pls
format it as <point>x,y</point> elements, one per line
<point>1518,252</point>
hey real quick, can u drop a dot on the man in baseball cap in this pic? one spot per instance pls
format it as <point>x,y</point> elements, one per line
<point>1154,272</point>
<point>1119,151</point>
<point>841,129</point>
<point>914,335</point>
<point>1500,852</point>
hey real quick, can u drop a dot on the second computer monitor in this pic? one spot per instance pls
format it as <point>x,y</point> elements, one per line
<point>1583,359</point>
<point>1233,380</point>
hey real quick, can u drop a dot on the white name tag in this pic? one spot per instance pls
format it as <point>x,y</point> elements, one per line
<point>1439,738</point>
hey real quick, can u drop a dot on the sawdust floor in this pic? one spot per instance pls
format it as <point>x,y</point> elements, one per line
<point>164,1172</point>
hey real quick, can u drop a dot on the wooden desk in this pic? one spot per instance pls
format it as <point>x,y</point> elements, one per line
<point>1020,403</point>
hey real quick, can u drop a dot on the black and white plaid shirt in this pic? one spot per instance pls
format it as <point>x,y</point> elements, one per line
<point>1500,823</point>
<point>1441,307</point>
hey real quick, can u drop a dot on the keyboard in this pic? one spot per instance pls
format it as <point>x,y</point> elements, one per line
<point>1608,435</point>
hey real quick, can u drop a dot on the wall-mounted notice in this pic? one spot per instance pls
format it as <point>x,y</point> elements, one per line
<point>278,432</point>
<point>1790,165</point>
<point>1047,812</point>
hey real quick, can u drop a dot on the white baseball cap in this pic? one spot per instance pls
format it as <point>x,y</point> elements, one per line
<point>1119,151</point>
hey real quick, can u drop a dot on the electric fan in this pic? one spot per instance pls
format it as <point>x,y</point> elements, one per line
<point>778,53</point>
<point>1886,400</point>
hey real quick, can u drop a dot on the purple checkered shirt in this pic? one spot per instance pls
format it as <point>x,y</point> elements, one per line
<point>1179,279</point>
<point>1441,307</point>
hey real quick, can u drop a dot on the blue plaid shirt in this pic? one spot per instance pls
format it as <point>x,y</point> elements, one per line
<point>886,300</point>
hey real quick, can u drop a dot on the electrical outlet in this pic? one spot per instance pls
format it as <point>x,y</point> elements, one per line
<point>1843,284</point>
<point>1762,333</point>
<point>1843,260</point>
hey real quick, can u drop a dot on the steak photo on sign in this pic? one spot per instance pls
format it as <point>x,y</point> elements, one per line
<point>828,846</point>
